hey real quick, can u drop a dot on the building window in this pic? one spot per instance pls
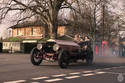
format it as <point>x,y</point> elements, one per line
<point>24,31</point>
<point>28,31</point>
<point>19,32</point>
<point>34,31</point>
<point>31,31</point>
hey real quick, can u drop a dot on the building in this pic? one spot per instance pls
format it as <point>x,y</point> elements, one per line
<point>29,34</point>
<point>33,30</point>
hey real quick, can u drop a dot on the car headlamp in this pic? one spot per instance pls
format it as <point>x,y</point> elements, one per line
<point>39,46</point>
<point>56,47</point>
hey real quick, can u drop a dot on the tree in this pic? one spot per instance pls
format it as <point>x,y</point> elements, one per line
<point>94,17</point>
<point>46,10</point>
<point>88,13</point>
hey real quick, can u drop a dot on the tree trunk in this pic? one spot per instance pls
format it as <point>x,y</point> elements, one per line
<point>46,31</point>
<point>53,30</point>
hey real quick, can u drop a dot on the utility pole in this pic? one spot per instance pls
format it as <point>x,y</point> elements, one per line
<point>103,20</point>
<point>103,26</point>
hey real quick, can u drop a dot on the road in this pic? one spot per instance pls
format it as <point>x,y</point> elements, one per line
<point>17,68</point>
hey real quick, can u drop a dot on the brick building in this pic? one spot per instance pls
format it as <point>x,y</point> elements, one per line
<point>29,32</point>
<point>33,30</point>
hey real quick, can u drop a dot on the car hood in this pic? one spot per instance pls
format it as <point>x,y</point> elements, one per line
<point>64,42</point>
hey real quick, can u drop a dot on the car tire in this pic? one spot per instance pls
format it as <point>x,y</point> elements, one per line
<point>63,59</point>
<point>34,59</point>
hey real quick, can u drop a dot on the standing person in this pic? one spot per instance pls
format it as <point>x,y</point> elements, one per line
<point>122,46</point>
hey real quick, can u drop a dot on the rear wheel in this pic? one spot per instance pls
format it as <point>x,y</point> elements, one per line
<point>63,59</point>
<point>36,57</point>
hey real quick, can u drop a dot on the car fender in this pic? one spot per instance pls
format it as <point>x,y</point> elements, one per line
<point>34,50</point>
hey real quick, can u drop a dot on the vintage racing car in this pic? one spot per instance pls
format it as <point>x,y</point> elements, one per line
<point>62,51</point>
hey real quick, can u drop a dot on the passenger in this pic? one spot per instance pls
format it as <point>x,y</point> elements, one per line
<point>77,38</point>
<point>87,38</point>
<point>83,37</point>
<point>85,41</point>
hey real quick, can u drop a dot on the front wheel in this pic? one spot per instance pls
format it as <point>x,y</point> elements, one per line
<point>63,59</point>
<point>36,57</point>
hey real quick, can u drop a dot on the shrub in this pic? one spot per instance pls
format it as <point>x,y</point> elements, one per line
<point>13,39</point>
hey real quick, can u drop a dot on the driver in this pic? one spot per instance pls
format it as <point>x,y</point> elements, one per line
<point>85,41</point>
<point>85,38</point>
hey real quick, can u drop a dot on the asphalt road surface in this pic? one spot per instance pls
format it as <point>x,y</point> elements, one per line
<point>17,68</point>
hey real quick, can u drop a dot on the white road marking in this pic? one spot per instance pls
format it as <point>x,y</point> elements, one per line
<point>115,73</point>
<point>113,68</point>
<point>87,71</point>
<point>53,80</point>
<point>108,68</point>
<point>91,74</point>
<point>39,78</point>
<point>59,75</point>
<point>72,77</point>
<point>74,73</point>
<point>18,81</point>
<point>100,72</point>
<point>35,82</point>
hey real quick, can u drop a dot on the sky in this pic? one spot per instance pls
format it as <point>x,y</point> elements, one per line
<point>6,23</point>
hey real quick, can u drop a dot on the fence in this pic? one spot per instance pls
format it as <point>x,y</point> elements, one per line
<point>12,47</point>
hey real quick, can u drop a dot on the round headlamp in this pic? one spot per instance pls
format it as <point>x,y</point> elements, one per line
<point>39,46</point>
<point>56,47</point>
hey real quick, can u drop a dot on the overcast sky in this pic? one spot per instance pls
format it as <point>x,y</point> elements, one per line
<point>6,24</point>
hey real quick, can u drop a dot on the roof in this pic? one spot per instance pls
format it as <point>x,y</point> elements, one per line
<point>37,23</point>
<point>27,24</point>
